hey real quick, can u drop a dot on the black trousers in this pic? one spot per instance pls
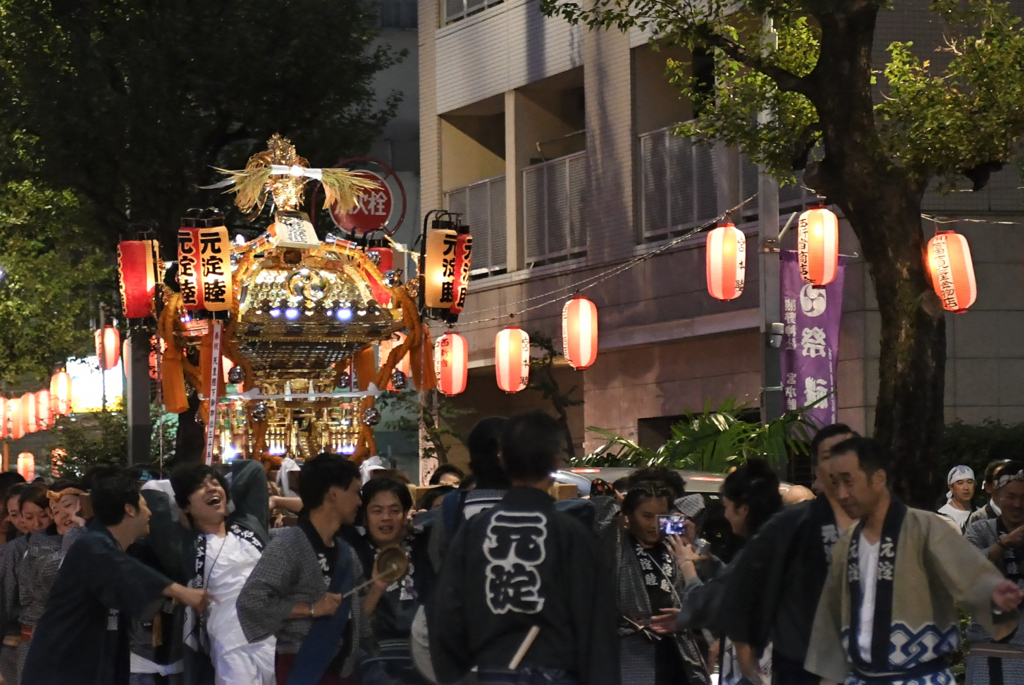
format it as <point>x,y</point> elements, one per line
<point>785,671</point>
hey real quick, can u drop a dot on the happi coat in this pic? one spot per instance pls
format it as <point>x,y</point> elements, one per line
<point>990,662</point>
<point>181,551</point>
<point>523,563</point>
<point>925,569</point>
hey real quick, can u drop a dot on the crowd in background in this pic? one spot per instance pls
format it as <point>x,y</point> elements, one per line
<point>335,574</point>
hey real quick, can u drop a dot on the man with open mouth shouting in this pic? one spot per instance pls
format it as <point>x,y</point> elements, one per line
<point>216,551</point>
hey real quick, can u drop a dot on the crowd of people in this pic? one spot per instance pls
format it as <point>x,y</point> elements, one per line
<point>218,576</point>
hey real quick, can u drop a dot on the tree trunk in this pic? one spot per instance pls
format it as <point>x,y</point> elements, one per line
<point>882,202</point>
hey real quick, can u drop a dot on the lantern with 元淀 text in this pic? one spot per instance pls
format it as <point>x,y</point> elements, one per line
<point>463,261</point>
<point>439,269</point>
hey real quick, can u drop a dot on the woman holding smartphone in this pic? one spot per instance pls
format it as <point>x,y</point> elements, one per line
<point>648,584</point>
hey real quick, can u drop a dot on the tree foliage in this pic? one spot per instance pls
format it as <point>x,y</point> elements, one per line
<point>130,102</point>
<point>713,440</point>
<point>101,438</point>
<point>542,380</point>
<point>50,268</point>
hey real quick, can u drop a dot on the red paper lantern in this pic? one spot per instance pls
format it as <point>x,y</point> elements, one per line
<point>5,407</point>
<point>726,260</point>
<point>27,466</point>
<point>44,410</point>
<point>17,426</point>
<point>579,332</point>
<point>29,417</point>
<point>512,359</point>
<point>108,347</point>
<point>818,246</point>
<point>952,271</point>
<point>451,363</point>
<point>137,268</point>
<point>463,259</point>
<point>60,393</point>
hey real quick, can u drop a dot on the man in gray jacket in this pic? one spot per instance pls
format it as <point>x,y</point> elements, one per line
<point>295,591</point>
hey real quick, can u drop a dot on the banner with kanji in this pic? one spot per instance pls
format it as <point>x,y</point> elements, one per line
<point>810,344</point>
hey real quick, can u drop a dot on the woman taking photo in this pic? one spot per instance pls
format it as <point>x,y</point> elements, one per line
<point>751,497</point>
<point>649,584</point>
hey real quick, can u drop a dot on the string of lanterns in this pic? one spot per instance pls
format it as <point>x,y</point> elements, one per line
<point>35,411</point>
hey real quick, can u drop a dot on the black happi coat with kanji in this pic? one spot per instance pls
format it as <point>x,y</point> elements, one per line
<point>523,564</point>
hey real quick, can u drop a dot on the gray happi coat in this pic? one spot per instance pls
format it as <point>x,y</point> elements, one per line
<point>636,649</point>
<point>289,573</point>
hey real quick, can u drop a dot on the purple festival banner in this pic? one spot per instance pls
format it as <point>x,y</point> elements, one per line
<point>810,344</point>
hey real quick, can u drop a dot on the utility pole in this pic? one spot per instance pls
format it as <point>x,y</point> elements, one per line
<point>772,401</point>
<point>136,371</point>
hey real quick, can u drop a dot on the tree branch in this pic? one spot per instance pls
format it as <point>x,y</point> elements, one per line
<point>785,80</point>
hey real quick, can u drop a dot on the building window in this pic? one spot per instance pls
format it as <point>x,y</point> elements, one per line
<point>455,10</point>
<point>398,14</point>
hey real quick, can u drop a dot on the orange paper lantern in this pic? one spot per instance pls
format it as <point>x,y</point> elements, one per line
<point>726,260</point>
<point>512,359</point>
<point>451,363</point>
<point>108,347</point>
<point>579,332</point>
<point>439,268</point>
<point>5,407</point>
<point>17,427</point>
<point>27,466</point>
<point>60,393</point>
<point>29,417</point>
<point>44,410</point>
<point>818,246</point>
<point>952,271</point>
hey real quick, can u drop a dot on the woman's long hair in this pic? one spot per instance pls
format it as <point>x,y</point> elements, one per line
<point>755,485</point>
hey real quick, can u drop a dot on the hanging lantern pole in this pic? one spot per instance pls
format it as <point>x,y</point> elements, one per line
<point>102,358</point>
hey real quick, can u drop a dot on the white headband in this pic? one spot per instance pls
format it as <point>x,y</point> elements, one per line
<point>956,473</point>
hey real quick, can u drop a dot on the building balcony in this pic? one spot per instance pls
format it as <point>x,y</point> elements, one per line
<point>553,210</point>
<point>482,206</point>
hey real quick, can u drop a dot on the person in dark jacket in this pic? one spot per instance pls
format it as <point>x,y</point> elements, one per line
<point>521,595</point>
<point>773,593</point>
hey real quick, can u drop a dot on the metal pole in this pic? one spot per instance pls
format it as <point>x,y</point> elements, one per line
<point>103,358</point>
<point>772,401</point>
<point>137,374</point>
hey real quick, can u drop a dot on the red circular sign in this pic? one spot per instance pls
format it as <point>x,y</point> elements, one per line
<point>372,211</point>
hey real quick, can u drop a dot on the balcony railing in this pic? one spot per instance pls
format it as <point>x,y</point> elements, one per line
<point>482,205</point>
<point>679,185</point>
<point>455,10</point>
<point>553,209</point>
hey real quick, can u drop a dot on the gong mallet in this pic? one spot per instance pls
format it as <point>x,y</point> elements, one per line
<point>392,564</point>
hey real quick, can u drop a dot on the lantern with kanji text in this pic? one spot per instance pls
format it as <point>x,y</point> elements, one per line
<point>579,332</point>
<point>726,261</point>
<point>818,246</point>
<point>439,268</point>
<point>451,363</point>
<point>60,393</point>
<point>137,264</point>
<point>952,271</point>
<point>463,259</point>
<point>512,359</point>
<point>108,347</point>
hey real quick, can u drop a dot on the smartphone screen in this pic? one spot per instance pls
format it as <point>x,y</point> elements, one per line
<point>674,524</point>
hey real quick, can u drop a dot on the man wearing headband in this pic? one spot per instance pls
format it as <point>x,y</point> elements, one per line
<point>958,505</point>
<point>990,510</point>
<point>1002,539</point>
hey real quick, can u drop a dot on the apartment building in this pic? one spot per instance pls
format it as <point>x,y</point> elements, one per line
<point>554,143</point>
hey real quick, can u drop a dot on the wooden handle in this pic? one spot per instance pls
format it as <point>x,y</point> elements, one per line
<point>524,648</point>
